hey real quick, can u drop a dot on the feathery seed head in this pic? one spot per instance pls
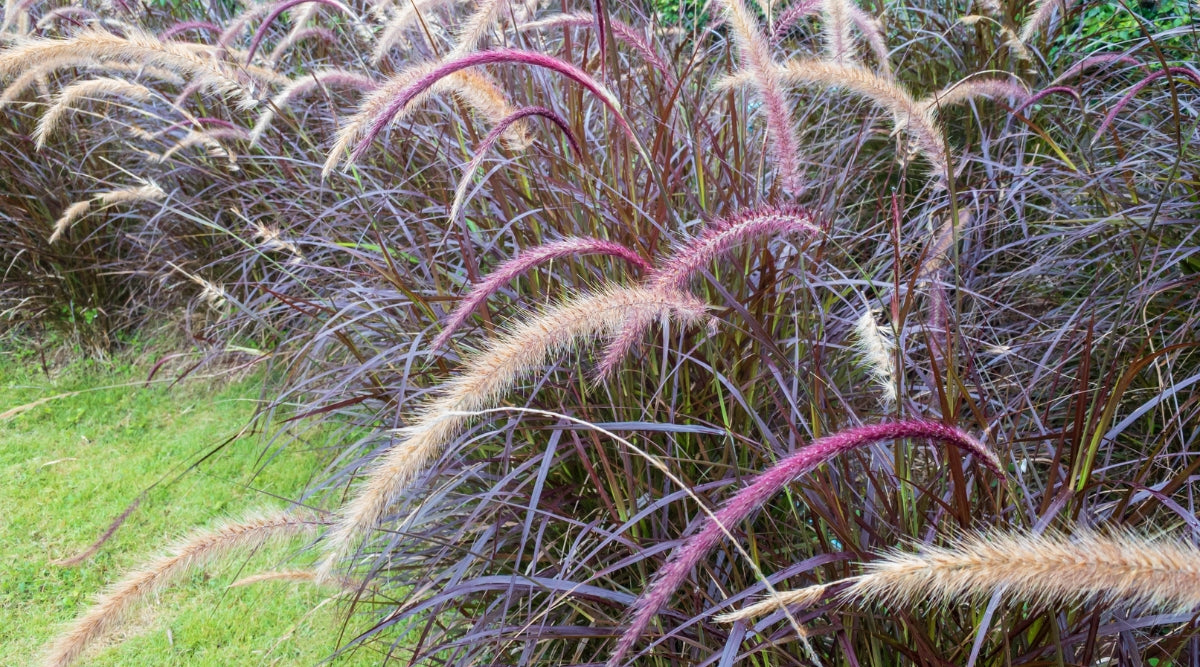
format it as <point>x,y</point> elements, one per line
<point>675,271</point>
<point>1039,569</point>
<point>876,349</point>
<point>70,215</point>
<point>197,550</point>
<point>529,344</point>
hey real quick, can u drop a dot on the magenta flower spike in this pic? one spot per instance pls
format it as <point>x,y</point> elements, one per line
<point>496,56</point>
<point>189,25</point>
<point>1137,88</point>
<point>762,489</point>
<point>718,239</point>
<point>1046,92</point>
<point>281,8</point>
<point>510,270</point>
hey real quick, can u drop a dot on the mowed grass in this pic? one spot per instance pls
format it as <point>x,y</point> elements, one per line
<point>72,464</point>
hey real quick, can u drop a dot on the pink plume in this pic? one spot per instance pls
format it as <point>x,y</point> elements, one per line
<point>524,261</point>
<point>766,485</point>
<point>718,239</point>
<point>1137,88</point>
<point>495,56</point>
<point>281,8</point>
<point>189,25</point>
<point>1045,92</point>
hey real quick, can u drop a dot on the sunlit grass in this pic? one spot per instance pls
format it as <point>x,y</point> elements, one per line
<point>74,463</point>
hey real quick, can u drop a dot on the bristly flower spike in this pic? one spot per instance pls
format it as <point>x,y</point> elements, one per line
<point>486,377</point>
<point>675,271</point>
<point>499,130</point>
<point>527,259</point>
<point>763,488</point>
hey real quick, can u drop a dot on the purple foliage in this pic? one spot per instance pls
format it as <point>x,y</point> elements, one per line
<point>1137,88</point>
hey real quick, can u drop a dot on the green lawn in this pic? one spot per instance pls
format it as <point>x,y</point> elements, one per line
<point>72,464</point>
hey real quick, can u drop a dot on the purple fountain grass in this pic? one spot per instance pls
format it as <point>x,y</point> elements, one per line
<point>282,7</point>
<point>621,31</point>
<point>719,238</point>
<point>1046,92</point>
<point>303,85</point>
<point>486,377</point>
<point>527,259</point>
<point>421,84</point>
<point>972,88</point>
<point>185,26</point>
<point>1137,88</point>
<point>791,16</point>
<point>755,55</point>
<point>601,22</point>
<point>726,234</point>
<point>872,31</point>
<point>748,500</point>
<point>460,192</point>
<point>1100,60</point>
<point>195,551</point>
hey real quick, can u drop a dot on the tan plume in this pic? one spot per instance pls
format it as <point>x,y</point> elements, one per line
<point>1051,569</point>
<point>487,376</point>
<point>797,599</point>
<point>91,47</point>
<point>71,95</point>
<point>74,212</point>
<point>410,13</point>
<point>198,550</point>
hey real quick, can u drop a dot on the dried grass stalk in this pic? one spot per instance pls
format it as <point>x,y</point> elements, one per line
<point>196,551</point>
<point>530,344</point>
<point>92,48</point>
<point>71,95</point>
